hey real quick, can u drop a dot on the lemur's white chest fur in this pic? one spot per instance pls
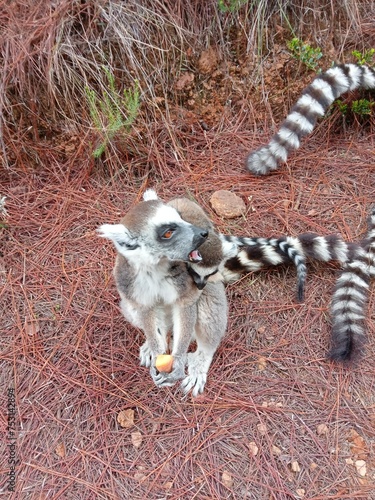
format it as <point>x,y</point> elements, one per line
<point>151,286</point>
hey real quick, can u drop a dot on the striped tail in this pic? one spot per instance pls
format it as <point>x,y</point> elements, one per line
<point>313,104</point>
<point>255,254</point>
<point>350,299</point>
<point>258,253</point>
<point>369,243</point>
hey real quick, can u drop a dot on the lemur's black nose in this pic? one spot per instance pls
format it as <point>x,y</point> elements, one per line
<point>200,236</point>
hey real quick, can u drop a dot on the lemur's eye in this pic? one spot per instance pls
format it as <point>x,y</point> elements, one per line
<point>166,231</point>
<point>168,234</point>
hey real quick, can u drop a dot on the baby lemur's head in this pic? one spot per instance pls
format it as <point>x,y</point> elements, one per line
<point>153,230</point>
<point>214,250</point>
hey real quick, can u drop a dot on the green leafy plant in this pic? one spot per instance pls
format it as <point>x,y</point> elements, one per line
<point>112,113</point>
<point>230,5</point>
<point>342,106</point>
<point>305,53</point>
<point>362,107</point>
<point>365,57</point>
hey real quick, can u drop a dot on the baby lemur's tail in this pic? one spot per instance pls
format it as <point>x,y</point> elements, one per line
<point>352,286</point>
<point>258,253</point>
<point>350,298</point>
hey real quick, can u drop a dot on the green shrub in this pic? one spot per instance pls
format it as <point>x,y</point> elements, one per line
<point>362,107</point>
<point>305,53</point>
<point>230,5</point>
<point>365,57</point>
<point>111,113</point>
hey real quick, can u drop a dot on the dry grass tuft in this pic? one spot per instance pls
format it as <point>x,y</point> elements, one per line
<point>50,53</point>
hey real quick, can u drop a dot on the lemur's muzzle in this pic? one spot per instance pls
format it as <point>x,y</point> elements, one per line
<point>200,236</point>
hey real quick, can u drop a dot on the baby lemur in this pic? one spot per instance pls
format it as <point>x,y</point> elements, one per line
<point>215,251</point>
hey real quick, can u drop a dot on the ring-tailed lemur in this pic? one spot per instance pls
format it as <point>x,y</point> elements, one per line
<point>313,104</point>
<point>157,294</point>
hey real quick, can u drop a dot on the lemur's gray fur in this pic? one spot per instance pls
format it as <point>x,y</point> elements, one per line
<point>158,294</point>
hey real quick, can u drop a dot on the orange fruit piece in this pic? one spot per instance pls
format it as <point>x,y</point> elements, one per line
<point>164,363</point>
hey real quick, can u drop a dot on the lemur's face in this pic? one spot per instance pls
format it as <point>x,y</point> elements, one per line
<point>202,275</point>
<point>215,251</point>
<point>152,231</point>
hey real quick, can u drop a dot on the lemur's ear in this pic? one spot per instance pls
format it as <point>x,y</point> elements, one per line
<point>119,234</point>
<point>150,194</point>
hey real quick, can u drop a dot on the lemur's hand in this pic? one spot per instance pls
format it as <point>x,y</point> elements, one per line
<point>163,379</point>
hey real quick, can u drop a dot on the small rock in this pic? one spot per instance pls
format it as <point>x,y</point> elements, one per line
<point>295,466</point>
<point>126,418</point>
<point>361,467</point>
<point>60,450</point>
<point>322,429</point>
<point>276,451</point>
<point>262,363</point>
<point>227,479</point>
<point>136,438</point>
<point>262,429</point>
<point>253,449</point>
<point>227,204</point>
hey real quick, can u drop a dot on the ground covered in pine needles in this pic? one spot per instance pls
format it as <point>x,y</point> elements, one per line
<point>277,420</point>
